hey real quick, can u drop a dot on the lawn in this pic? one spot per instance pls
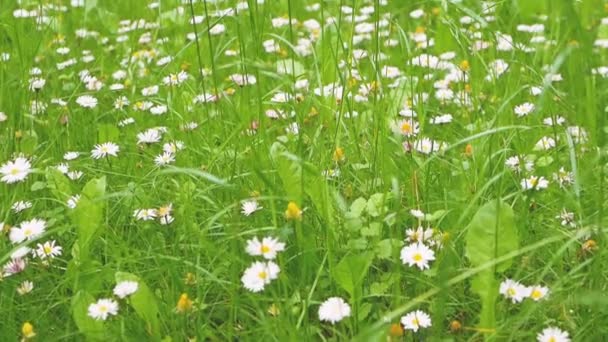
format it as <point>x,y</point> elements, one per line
<point>303,170</point>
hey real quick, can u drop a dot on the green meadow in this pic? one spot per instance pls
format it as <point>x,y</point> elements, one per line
<point>303,170</point>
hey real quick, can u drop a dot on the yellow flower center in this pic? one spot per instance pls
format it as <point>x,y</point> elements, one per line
<point>511,292</point>
<point>27,232</point>
<point>417,257</point>
<point>265,249</point>
<point>103,308</point>
<point>533,181</point>
<point>262,275</point>
<point>552,339</point>
<point>47,249</point>
<point>415,322</point>
<point>14,171</point>
<point>536,294</point>
<point>406,127</point>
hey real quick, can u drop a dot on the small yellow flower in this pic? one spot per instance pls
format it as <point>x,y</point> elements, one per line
<point>339,154</point>
<point>27,330</point>
<point>464,65</point>
<point>184,303</point>
<point>293,212</point>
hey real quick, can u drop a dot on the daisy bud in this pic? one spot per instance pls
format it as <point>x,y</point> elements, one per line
<point>468,150</point>
<point>455,326</point>
<point>396,330</point>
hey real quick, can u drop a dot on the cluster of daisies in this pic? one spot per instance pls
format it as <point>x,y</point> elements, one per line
<point>261,273</point>
<point>136,98</point>
<point>162,214</point>
<point>517,292</point>
<point>21,236</point>
<point>106,307</point>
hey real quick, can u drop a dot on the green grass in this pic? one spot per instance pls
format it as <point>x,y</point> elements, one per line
<point>352,230</point>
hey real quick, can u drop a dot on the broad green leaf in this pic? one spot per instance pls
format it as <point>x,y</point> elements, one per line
<point>376,204</point>
<point>490,235</point>
<point>384,248</point>
<point>289,171</point>
<point>144,303</point>
<point>29,142</point>
<point>58,184</point>
<point>357,244</point>
<point>37,186</point>
<point>374,229</point>
<point>107,132</point>
<point>88,214</point>
<point>351,270</point>
<point>357,207</point>
<point>290,67</point>
<point>434,216</point>
<point>89,327</point>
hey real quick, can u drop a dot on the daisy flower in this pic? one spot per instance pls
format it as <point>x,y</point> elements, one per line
<point>563,177</point>
<point>416,320</point>
<point>268,247</point>
<point>553,334</point>
<point>27,230</point>
<point>513,290</point>
<point>25,288</point>
<point>20,206</point>
<point>13,267</point>
<point>538,292</point>
<point>567,218</point>
<point>164,214</point>
<point>417,254</point>
<point>149,137</point>
<point>16,170</point>
<point>104,150</point>
<point>125,288</point>
<point>164,159</point>
<point>405,127</point>
<point>259,274</point>
<point>248,207</point>
<point>87,101</point>
<point>545,143</point>
<point>103,308</point>
<point>524,109</point>
<point>48,250</point>
<point>145,214</point>
<point>73,201</point>
<point>534,182</point>
<point>334,310</point>
<point>71,155</point>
